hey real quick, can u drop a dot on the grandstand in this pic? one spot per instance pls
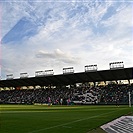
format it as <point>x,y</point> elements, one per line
<point>106,93</point>
<point>72,87</point>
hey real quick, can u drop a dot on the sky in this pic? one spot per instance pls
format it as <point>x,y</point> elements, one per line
<point>43,35</point>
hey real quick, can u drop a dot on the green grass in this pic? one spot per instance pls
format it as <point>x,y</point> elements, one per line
<point>57,119</point>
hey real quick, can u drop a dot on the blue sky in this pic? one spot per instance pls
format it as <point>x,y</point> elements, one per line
<point>41,35</point>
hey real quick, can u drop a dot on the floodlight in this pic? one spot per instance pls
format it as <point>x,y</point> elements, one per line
<point>91,68</point>
<point>48,72</point>
<point>39,73</point>
<point>9,76</point>
<point>24,75</point>
<point>68,70</point>
<point>116,65</point>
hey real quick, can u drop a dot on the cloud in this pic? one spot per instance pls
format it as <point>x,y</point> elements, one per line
<point>67,34</point>
<point>58,55</point>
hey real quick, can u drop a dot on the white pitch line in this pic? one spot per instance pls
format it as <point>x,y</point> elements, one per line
<point>66,127</point>
<point>61,125</point>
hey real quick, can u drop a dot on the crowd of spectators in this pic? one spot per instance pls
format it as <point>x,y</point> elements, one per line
<point>30,96</point>
<point>109,94</point>
<point>116,94</point>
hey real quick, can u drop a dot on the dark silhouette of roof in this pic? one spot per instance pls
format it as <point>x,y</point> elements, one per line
<point>71,78</point>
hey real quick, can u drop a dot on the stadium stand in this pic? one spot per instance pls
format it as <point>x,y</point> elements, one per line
<point>71,79</point>
<point>109,94</point>
<point>53,88</point>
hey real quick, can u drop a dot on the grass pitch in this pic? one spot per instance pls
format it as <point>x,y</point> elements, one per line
<point>56,119</point>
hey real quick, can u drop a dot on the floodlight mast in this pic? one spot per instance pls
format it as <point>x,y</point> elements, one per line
<point>116,65</point>
<point>89,68</point>
<point>68,70</point>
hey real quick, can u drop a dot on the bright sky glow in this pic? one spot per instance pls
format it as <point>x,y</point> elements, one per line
<point>41,35</point>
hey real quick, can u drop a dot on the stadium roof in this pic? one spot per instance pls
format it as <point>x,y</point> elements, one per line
<point>72,78</point>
